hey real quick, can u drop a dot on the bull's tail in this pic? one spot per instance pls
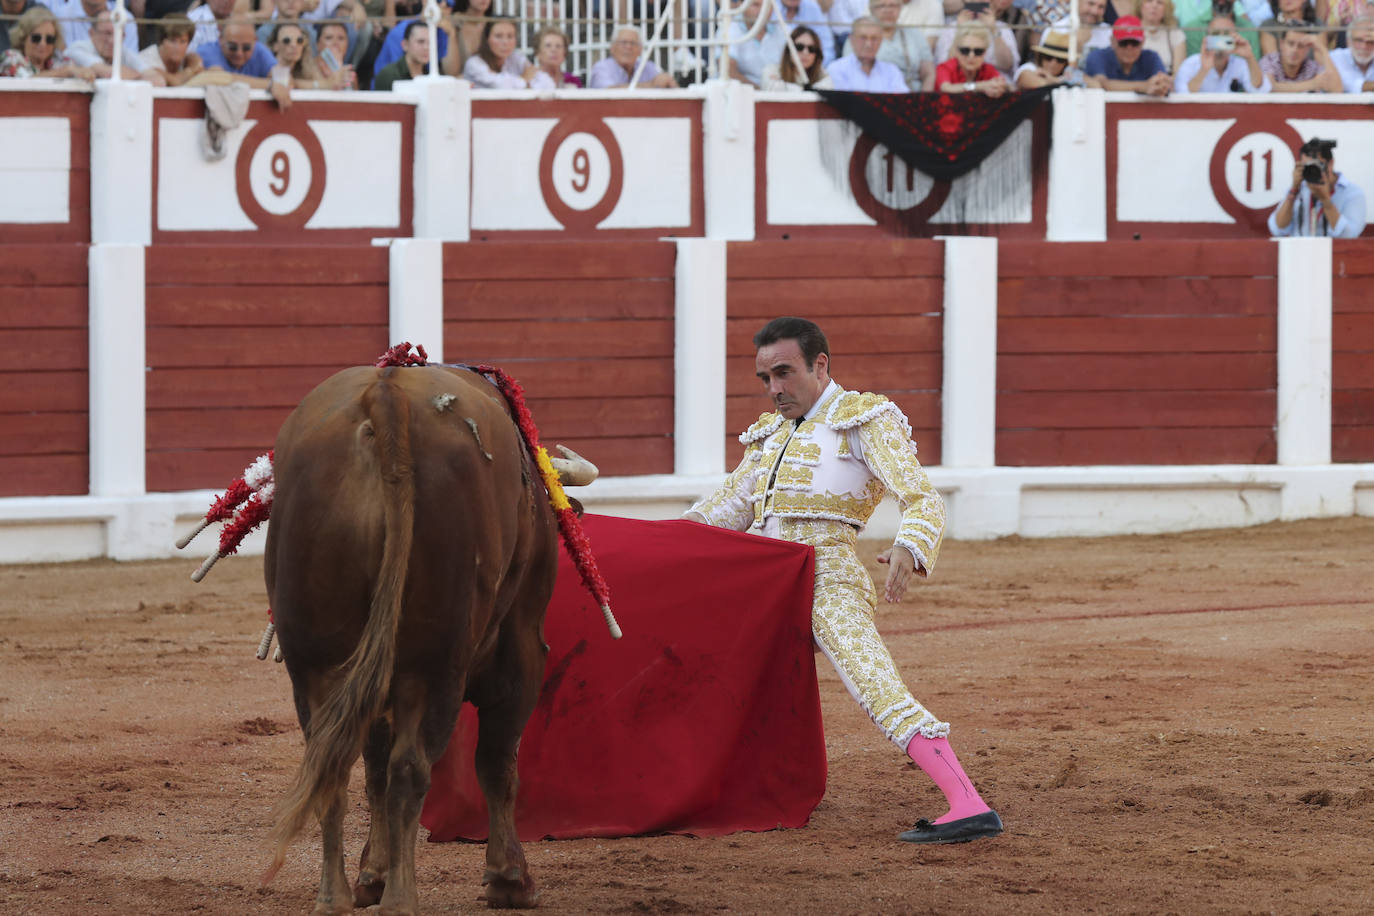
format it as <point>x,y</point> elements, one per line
<point>337,729</point>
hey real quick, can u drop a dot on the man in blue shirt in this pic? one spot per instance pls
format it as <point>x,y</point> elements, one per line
<point>860,70</point>
<point>1322,202</point>
<point>239,52</point>
<point>1126,66</point>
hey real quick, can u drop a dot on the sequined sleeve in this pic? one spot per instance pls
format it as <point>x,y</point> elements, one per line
<point>731,505</point>
<point>891,456</point>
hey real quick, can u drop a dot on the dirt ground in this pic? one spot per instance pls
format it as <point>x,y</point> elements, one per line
<point>1174,724</point>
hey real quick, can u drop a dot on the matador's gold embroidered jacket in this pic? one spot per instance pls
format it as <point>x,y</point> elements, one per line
<point>835,465</point>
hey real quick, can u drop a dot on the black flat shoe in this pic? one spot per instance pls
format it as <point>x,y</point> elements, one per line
<point>960,831</point>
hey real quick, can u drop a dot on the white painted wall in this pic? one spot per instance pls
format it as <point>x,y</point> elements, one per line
<point>35,170</point>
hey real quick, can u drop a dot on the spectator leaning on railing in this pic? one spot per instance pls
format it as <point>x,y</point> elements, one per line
<point>37,49</point>
<point>1301,64</point>
<point>97,52</point>
<point>1226,63</point>
<point>1003,54</point>
<point>968,70</point>
<point>860,70</point>
<point>76,17</point>
<point>171,54</point>
<point>1355,62</point>
<point>1049,64</point>
<point>1322,202</point>
<point>1126,66</point>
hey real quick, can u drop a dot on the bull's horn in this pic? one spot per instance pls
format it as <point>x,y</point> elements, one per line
<point>573,470</point>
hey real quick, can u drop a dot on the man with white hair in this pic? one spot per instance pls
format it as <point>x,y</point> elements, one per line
<point>860,70</point>
<point>72,16</point>
<point>616,71</point>
<point>1355,63</point>
<point>97,52</point>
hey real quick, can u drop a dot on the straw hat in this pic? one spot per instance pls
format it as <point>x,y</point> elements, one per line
<point>1053,44</point>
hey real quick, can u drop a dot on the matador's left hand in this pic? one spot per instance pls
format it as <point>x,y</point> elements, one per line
<point>900,567</point>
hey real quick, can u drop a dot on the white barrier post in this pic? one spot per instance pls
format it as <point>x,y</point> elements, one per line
<point>982,503</point>
<point>122,162</point>
<point>1304,384</point>
<point>118,393</point>
<point>417,294</point>
<point>728,160</point>
<point>1077,207</point>
<point>443,156</point>
<point>699,358</point>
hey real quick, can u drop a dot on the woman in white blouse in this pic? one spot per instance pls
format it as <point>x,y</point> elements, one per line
<point>497,65</point>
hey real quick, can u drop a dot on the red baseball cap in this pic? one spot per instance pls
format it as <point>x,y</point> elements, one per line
<point>1128,27</point>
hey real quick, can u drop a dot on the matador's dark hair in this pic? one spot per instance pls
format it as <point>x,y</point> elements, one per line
<point>807,335</point>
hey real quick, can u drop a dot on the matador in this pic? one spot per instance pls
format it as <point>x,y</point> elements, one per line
<point>813,472</point>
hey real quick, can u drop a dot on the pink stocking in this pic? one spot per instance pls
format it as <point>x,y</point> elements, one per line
<point>936,758</point>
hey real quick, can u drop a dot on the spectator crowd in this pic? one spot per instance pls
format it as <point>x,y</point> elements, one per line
<point>1152,47</point>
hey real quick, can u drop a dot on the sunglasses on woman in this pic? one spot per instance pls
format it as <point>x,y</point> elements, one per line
<point>810,49</point>
<point>976,52</point>
<point>291,40</point>
<point>37,39</point>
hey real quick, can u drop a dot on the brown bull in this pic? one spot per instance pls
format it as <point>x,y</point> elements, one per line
<point>411,554</point>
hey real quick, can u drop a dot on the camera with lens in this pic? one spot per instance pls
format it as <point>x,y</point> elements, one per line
<point>1316,148</point>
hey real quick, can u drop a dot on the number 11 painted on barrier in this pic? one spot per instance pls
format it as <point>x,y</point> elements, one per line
<point>1268,157</point>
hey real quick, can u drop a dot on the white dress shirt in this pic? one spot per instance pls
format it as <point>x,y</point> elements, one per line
<point>1353,76</point>
<point>848,75</point>
<point>1236,69</point>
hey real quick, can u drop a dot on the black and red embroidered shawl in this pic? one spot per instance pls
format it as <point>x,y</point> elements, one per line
<point>941,134</point>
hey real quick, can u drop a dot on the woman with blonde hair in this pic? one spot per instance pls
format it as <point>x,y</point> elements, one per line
<point>968,70</point>
<point>783,76</point>
<point>1162,34</point>
<point>36,49</point>
<point>291,45</point>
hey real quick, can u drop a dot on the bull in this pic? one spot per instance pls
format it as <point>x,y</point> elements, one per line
<point>410,557</point>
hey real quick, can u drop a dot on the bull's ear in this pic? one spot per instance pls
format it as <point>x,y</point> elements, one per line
<point>576,506</point>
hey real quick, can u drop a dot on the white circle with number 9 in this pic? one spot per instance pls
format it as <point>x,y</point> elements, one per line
<point>1259,170</point>
<point>581,171</point>
<point>279,175</point>
<point>892,182</point>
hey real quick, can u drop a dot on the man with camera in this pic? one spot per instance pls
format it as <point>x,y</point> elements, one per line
<point>1322,202</point>
<point>1225,62</point>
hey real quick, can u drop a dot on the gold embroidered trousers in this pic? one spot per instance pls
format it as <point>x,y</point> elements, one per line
<point>843,626</point>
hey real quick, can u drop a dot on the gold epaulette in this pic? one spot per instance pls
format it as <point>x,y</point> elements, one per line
<point>763,427</point>
<point>855,408</point>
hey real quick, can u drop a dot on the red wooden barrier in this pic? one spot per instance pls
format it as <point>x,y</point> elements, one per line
<point>880,303</point>
<point>1352,356</point>
<point>586,328</point>
<point>237,335</point>
<point>44,387</point>
<point>1136,353</point>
